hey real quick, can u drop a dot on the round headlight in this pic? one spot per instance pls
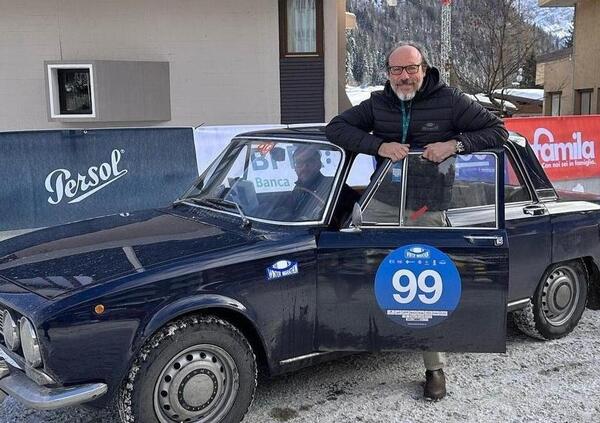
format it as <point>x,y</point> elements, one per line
<point>31,346</point>
<point>10,331</point>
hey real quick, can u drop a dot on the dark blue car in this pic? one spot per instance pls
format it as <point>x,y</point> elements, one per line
<point>285,252</point>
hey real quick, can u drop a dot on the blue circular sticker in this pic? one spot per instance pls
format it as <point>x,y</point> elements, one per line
<point>417,286</point>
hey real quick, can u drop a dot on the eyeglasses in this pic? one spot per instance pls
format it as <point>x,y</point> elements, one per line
<point>410,69</point>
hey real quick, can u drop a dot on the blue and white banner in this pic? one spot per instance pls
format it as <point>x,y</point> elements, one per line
<point>58,176</point>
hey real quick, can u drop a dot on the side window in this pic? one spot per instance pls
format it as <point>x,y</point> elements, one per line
<point>459,192</point>
<point>515,190</point>
<point>383,208</point>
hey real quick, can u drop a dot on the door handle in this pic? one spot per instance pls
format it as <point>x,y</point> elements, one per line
<point>495,240</point>
<point>534,210</point>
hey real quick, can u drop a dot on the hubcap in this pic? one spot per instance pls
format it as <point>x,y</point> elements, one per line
<point>560,295</point>
<point>197,385</point>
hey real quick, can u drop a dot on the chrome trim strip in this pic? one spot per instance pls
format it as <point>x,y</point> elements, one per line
<point>38,376</point>
<point>303,357</point>
<point>517,303</point>
<point>4,355</point>
<point>24,390</point>
<point>570,207</point>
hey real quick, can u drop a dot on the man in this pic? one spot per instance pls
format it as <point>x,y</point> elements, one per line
<point>312,187</point>
<point>416,109</point>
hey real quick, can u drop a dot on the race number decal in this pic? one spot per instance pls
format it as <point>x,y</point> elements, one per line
<point>417,286</point>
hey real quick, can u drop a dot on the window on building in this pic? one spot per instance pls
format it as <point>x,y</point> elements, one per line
<point>555,104</point>
<point>301,27</point>
<point>585,102</point>
<point>71,90</point>
<point>74,91</point>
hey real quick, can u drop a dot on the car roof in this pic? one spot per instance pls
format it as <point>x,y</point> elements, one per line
<point>316,133</point>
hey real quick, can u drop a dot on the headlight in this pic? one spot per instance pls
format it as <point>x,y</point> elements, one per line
<point>10,332</point>
<point>31,346</point>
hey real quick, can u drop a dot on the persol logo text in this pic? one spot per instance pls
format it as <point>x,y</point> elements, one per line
<point>63,186</point>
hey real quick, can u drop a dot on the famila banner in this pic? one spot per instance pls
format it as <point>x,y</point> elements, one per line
<point>566,146</point>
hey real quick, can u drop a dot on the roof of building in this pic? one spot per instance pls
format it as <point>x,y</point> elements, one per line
<point>525,95</point>
<point>485,101</point>
<point>555,55</point>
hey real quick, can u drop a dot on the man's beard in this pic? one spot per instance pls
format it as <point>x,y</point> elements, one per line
<point>409,96</point>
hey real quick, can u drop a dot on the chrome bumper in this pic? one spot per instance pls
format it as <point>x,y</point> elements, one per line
<point>15,383</point>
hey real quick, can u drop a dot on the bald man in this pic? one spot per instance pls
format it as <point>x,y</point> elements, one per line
<point>417,109</point>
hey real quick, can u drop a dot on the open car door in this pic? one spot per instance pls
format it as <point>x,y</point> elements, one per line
<point>427,268</point>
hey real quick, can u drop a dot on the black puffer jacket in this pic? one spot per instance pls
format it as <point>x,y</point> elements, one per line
<point>438,113</point>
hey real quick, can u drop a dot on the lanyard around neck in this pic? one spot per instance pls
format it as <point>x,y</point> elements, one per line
<point>405,119</point>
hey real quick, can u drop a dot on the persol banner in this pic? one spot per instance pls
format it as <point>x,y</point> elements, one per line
<point>566,146</point>
<point>58,176</point>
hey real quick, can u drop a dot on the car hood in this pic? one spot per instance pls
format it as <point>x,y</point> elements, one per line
<point>53,261</point>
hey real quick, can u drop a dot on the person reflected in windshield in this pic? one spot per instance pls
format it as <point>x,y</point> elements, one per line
<point>310,193</point>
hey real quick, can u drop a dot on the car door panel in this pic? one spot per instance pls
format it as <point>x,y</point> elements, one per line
<point>350,318</point>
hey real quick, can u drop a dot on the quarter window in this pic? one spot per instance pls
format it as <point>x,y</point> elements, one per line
<point>515,190</point>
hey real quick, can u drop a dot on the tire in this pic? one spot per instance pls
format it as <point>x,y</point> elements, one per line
<point>196,369</point>
<point>557,304</point>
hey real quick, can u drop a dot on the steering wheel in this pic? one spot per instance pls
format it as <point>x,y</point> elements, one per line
<point>314,194</point>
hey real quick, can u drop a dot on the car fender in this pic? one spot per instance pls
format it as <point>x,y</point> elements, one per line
<point>199,303</point>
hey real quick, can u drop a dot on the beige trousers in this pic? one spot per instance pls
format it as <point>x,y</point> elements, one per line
<point>433,360</point>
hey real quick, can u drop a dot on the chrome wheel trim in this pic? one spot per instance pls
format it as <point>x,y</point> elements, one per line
<point>560,295</point>
<point>198,385</point>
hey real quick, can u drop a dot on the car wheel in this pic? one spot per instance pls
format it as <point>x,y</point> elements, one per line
<point>557,304</point>
<point>196,369</point>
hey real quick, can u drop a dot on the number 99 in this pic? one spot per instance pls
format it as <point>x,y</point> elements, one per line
<point>415,285</point>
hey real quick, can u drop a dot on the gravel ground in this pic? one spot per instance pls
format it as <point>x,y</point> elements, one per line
<point>556,381</point>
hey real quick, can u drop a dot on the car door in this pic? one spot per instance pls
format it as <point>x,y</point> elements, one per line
<point>399,281</point>
<point>529,232</point>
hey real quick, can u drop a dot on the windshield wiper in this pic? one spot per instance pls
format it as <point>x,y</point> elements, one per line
<point>221,202</point>
<point>217,202</point>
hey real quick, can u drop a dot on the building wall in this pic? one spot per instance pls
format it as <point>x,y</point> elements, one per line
<point>558,77</point>
<point>587,49</point>
<point>224,55</point>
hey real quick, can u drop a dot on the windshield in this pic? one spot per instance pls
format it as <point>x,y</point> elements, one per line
<point>285,181</point>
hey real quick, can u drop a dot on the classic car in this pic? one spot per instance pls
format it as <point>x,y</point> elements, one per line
<point>261,267</point>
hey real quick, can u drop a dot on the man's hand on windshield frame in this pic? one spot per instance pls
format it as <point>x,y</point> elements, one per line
<point>394,151</point>
<point>437,152</point>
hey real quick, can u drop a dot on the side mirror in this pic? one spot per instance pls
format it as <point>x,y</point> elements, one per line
<point>356,216</point>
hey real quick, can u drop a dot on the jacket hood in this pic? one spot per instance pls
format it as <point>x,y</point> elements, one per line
<point>431,83</point>
<point>56,260</point>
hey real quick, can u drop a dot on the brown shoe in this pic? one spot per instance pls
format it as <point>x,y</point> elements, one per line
<point>435,385</point>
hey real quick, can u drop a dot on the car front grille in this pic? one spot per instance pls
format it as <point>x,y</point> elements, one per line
<point>1,321</point>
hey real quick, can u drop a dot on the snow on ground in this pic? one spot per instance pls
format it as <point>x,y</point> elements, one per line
<point>556,381</point>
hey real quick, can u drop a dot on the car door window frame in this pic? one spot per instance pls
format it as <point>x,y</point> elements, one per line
<point>383,168</point>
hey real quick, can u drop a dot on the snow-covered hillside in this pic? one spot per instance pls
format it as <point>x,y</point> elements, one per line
<point>554,20</point>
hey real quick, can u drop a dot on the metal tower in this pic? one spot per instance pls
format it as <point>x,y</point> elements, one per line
<point>446,42</point>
